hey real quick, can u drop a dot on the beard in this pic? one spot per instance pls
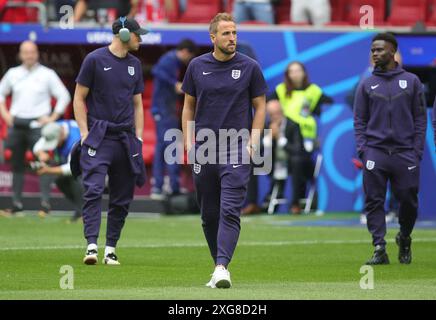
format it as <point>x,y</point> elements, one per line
<point>227,51</point>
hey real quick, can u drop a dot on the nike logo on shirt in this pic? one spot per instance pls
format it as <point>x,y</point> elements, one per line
<point>206,73</point>
<point>374,87</point>
<point>411,168</point>
<point>106,69</point>
<point>236,166</point>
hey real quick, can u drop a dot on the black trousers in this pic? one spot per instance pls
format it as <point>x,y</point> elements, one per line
<point>73,191</point>
<point>301,168</point>
<point>20,139</point>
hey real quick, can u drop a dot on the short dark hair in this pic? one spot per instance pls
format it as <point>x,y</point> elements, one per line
<point>388,37</point>
<point>187,44</point>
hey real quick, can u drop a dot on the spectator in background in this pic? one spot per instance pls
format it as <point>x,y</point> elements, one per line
<point>166,87</point>
<point>31,85</point>
<point>258,10</point>
<point>300,101</point>
<point>60,137</point>
<point>276,140</point>
<point>124,8</point>
<point>316,12</point>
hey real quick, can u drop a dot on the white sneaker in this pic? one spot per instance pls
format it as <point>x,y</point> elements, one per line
<point>90,257</point>
<point>111,259</point>
<point>220,279</point>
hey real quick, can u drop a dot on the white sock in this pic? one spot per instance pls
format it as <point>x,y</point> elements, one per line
<point>220,267</point>
<point>92,246</point>
<point>108,250</point>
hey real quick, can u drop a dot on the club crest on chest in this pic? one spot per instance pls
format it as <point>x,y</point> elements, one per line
<point>91,152</point>
<point>402,84</point>
<point>131,70</point>
<point>197,168</point>
<point>236,74</point>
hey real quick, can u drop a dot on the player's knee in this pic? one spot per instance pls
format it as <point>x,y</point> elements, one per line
<point>231,215</point>
<point>93,191</point>
<point>210,219</point>
<point>407,196</point>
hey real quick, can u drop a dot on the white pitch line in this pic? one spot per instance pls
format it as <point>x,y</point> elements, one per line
<point>203,244</point>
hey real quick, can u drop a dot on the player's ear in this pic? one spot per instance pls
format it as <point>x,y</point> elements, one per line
<point>212,37</point>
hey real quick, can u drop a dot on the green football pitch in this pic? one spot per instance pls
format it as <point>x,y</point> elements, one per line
<point>166,257</point>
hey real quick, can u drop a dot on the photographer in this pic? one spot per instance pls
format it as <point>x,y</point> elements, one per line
<point>60,137</point>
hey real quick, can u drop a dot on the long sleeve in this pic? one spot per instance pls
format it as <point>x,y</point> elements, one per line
<point>361,115</point>
<point>58,90</point>
<point>420,118</point>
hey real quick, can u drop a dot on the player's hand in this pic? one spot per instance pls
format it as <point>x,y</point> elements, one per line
<point>44,120</point>
<point>43,156</point>
<point>9,119</point>
<point>44,170</point>
<point>83,138</point>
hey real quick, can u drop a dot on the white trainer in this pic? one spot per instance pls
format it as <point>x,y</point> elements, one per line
<point>220,279</point>
<point>111,259</point>
<point>90,257</point>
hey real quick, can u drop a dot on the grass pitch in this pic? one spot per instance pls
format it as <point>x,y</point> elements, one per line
<point>167,258</point>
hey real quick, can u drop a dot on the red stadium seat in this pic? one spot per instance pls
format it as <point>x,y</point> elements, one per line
<point>283,12</point>
<point>337,11</point>
<point>229,6</point>
<point>407,12</point>
<point>19,14</point>
<point>201,11</point>
<point>172,10</point>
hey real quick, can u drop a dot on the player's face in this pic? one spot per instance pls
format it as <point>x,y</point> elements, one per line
<point>296,74</point>
<point>225,38</point>
<point>382,53</point>
<point>29,54</point>
<point>134,42</point>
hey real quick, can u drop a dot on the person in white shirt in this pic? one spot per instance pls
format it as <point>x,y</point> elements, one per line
<point>31,86</point>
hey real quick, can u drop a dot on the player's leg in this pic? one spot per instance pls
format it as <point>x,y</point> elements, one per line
<point>320,12</point>
<point>173,169</point>
<point>405,185</point>
<point>121,190</point>
<point>262,12</point>
<point>73,191</point>
<point>158,168</point>
<point>207,187</point>
<point>44,180</point>
<point>375,177</point>
<point>298,182</point>
<point>94,164</point>
<point>241,12</point>
<point>298,11</point>
<point>234,181</point>
<point>17,143</point>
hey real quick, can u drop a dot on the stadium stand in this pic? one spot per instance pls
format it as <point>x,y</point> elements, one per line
<point>407,12</point>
